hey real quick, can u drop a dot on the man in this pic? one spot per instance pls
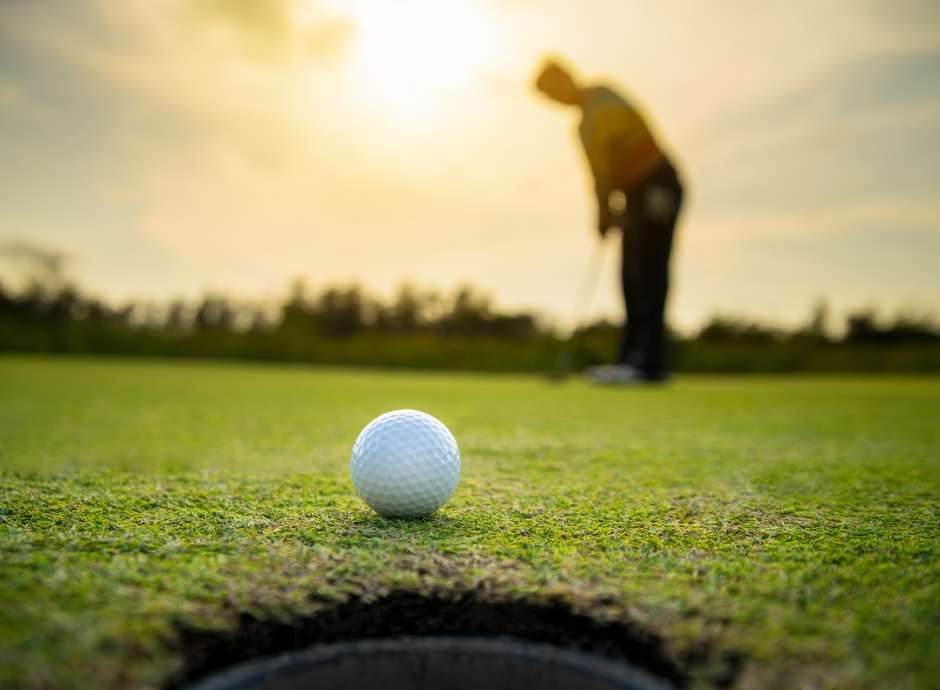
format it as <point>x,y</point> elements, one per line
<point>624,157</point>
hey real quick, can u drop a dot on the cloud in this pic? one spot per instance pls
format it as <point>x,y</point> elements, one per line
<point>272,29</point>
<point>862,133</point>
<point>10,94</point>
<point>801,224</point>
<point>328,39</point>
<point>919,18</point>
<point>263,27</point>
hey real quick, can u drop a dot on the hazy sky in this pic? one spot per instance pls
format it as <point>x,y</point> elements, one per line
<point>173,146</point>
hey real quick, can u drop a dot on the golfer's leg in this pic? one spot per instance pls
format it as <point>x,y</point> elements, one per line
<point>628,281</point>
<point>655,357</point>
<point>641,257</point>
<point>659,229</point>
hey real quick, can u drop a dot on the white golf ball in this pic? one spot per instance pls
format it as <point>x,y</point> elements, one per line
<point>405,464</point>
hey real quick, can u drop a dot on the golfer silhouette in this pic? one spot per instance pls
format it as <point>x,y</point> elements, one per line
<point>624,157</point>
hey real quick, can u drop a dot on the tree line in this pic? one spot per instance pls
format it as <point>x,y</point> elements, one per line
<point>421,327</point>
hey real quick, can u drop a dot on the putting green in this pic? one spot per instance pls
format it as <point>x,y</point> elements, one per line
<point>788,524</point>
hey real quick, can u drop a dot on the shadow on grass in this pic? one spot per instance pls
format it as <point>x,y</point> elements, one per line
<point>436,527</point>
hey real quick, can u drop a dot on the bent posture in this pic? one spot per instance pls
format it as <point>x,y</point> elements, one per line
<point>625,157</point>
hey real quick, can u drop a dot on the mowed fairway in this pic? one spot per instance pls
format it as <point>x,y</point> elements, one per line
<point>789,525</point>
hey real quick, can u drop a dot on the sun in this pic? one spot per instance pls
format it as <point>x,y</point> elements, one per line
<point>415,57</point>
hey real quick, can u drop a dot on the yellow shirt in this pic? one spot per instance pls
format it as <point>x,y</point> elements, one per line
<point>619,145</point>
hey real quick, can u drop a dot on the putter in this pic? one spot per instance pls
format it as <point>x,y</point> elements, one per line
<point>583,301</point>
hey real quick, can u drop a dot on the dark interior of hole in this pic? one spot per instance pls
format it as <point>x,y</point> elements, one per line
<point>404,613</point>
<point>435,663</point>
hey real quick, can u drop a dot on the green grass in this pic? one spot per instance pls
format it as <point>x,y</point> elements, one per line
<point>792,521</point>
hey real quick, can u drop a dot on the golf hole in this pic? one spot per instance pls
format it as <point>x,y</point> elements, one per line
<point>413,640</point>
<point>434,663</point>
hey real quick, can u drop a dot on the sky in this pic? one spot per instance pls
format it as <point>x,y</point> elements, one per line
<point>170,147</point>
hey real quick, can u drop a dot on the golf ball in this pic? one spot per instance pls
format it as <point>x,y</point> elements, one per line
<point>405,464</point>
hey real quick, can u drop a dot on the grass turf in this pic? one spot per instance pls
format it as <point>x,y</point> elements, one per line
<point>792,522</point>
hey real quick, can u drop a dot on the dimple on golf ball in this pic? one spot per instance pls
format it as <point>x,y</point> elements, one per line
<point>405,464</point>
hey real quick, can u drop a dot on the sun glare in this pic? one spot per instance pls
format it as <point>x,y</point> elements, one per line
<point>414,57</point>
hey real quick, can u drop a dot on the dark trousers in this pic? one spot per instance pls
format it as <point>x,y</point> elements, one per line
<point>652,210</point>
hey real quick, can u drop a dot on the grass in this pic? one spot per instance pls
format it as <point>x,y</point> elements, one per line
<point>789,522</point>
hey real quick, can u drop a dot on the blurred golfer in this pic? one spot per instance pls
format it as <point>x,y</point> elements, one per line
<point>624,157</point>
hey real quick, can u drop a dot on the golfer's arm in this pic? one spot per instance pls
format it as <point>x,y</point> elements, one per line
<point>603,180</point>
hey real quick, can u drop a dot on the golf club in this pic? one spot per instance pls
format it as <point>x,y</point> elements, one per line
<point>583,300</point>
